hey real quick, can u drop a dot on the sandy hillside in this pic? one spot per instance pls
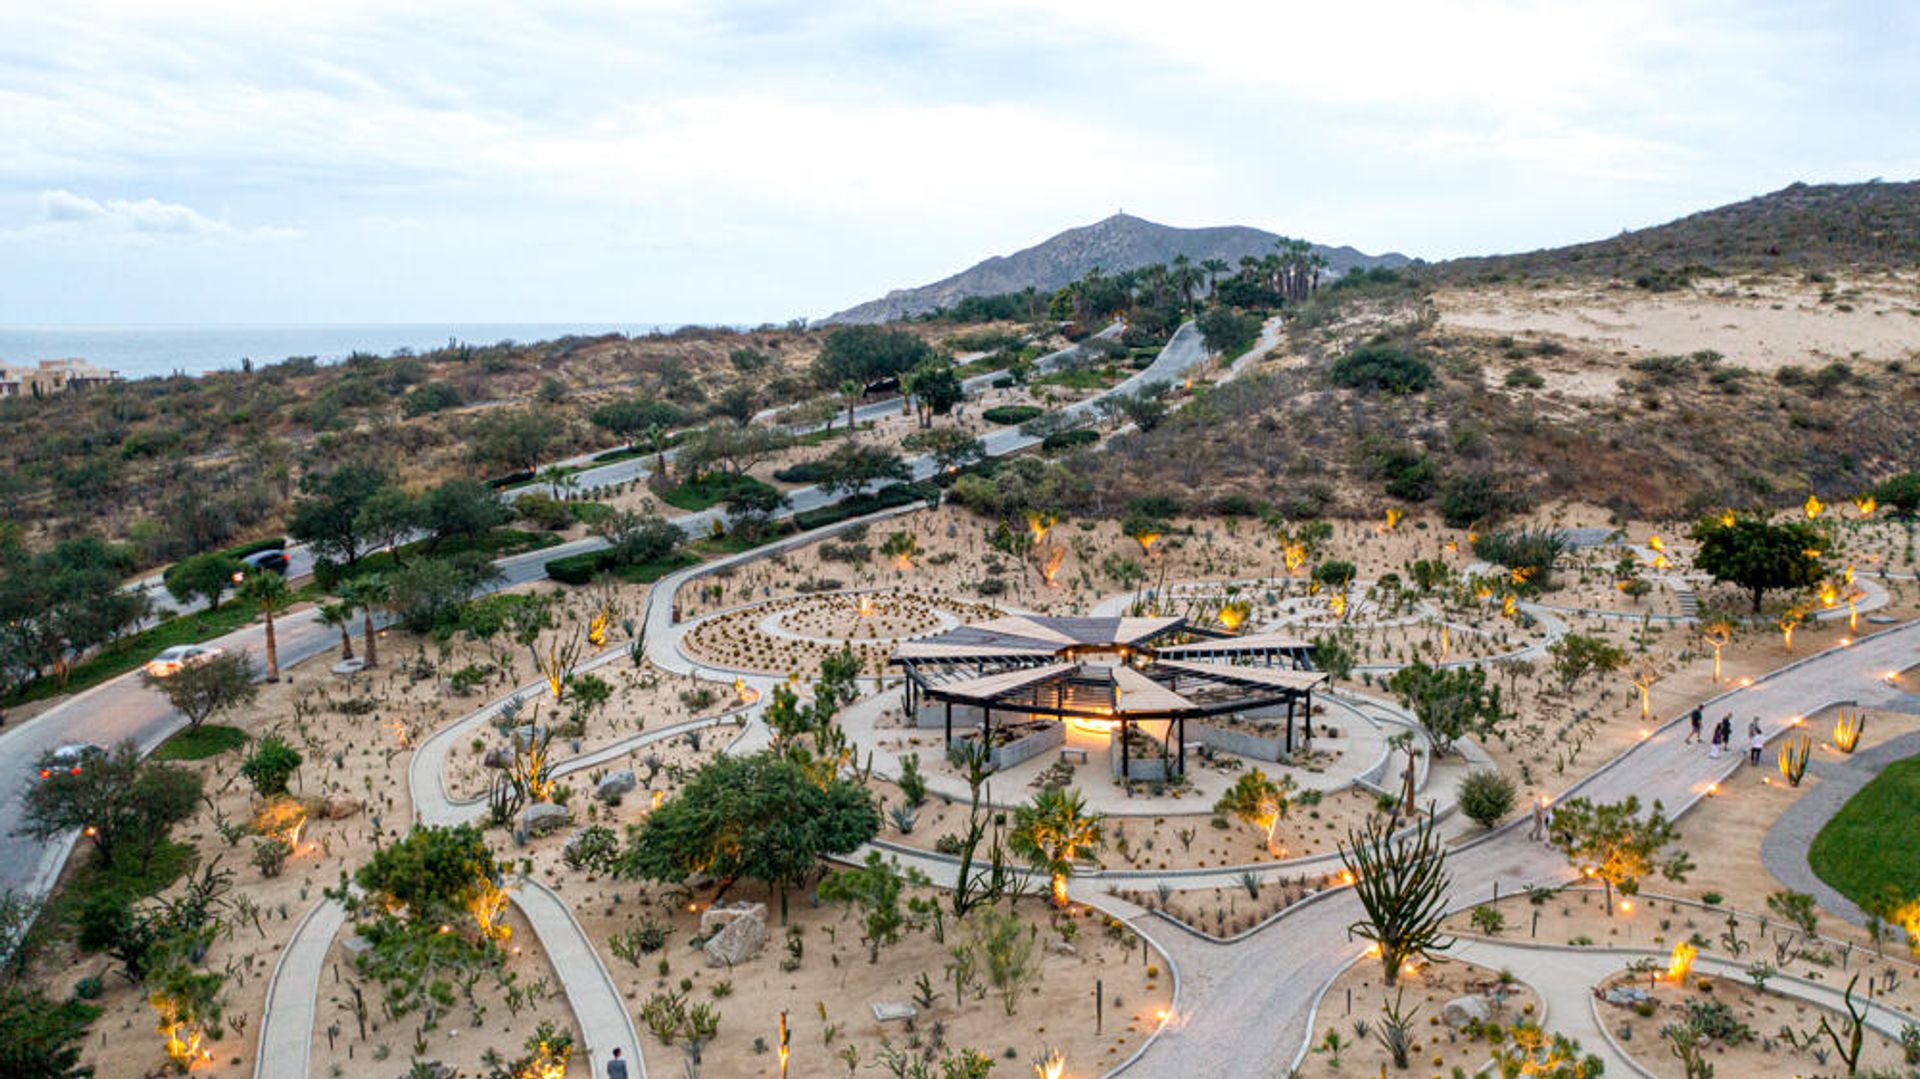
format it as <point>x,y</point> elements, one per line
<point>1762,324</point>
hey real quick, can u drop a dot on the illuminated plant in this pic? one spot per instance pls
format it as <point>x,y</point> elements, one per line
<point>1402,886</point>
<point>1052,832</point>
<point>1717,634</point>
<point>1616,843</point>
<point>1847,730</point>
<point>1793,757</point>
<point>1258,801</point>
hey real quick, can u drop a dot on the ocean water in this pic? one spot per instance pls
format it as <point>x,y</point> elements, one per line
<point>138,351</point>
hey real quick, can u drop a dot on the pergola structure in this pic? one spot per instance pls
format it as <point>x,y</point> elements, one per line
<point>1109,674</point>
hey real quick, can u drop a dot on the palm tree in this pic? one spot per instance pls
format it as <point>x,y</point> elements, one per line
<point>366,594</point>
<point>268,590</point>
<point>1214,268</point>
<point>1052,832</point>
<point>655,436</point>
<point>340,617</point>
<point>851,391</point>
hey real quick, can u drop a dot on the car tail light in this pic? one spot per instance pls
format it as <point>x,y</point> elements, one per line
<point>46,773</point>
<point>75,771</point>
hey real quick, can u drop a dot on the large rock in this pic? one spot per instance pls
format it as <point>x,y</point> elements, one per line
<point>498,757</point>
<point>524,736</point>
<point>736,933</point>
<point>339,806</point>
<point>1626,995</point>
<point>616,784</point>
<point>543,817</point>
<point>1460,1011</point>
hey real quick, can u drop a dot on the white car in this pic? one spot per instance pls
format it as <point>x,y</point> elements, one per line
<point>169,662</point>
<point>68,759</point>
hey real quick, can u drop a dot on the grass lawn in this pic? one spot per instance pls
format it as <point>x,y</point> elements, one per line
<point>707,491</point>
<point>170,862</point>
<point>199,743</point>
<point>649,572</point>
<point>128,653</point>
<point>1871,843</point>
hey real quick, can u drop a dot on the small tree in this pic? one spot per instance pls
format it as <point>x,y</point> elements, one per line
<point>1616,843</point>
<point>1258,801</point>
<point>875,889</point>
<point>205,688</point>
<point>1450,702</point>
<point>1054,830</point>
<point>431,873</point>
<point>1331,654</point>
<point>1486,797</point>
<point>205,576</point>
<point>366,595</point>
<point>1576,655</point>
<point>119,802</point>
<point>271,765</point>
<point>1402,886</point>
<point>1760,555</point>
<point>43,1035</point>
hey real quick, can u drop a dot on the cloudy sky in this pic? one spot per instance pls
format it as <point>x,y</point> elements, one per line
<point>572,161</point>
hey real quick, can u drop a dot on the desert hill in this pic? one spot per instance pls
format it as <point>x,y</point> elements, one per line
<point>1120,242</point>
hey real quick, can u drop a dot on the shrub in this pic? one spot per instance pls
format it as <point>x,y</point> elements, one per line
<point>1486,797</point>
<point>1524,378</point>
<point>272,763</point>
<point>430,398</point>
<point>1384,368</point>
<point>1066,440</point>
<point>1533,551</point>
<point>1011,415</point>
<point>805,472</point>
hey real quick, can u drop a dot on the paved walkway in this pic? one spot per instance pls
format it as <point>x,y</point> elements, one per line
<point>1784,850</point>
<point>1248,1005</point>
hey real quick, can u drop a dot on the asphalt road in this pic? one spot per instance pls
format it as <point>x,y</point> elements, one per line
<point>125,708</point>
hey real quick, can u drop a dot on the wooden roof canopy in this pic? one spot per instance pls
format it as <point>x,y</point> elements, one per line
<point>1107,668</point>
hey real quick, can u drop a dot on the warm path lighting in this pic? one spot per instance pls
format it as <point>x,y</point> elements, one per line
<point>1393,519</point>
<point>1717,636</point>
<point>866,605</point>
<point>1643,681</point>
<point>1788,623</point>
<point>597,629</point>
<point>1295,556</point>
<point>1050,1066</point>
<point>1510,605</point>
<point>783,1045</point>
<point>1146,540</point>
<point>1814,507</point>
<point>1446,642</point>
<point>1727,518</point>
<point>1059,888</point>
<point>1656,543</point>
<point>1040,524</point>
<point>1866,504</point>
<point>1682,962</point>
<point>1052,567</point>
<point>1233,614</point>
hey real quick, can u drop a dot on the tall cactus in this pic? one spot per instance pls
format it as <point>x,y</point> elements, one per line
<point>1794,753</point>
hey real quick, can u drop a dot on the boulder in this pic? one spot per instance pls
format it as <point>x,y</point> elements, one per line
<point>894,1011</point>
<point>1460,1011</point>
<point>524,736</point>
<point>1626,995</point>
<point>1058,946</point>
<point>615,784</point>
<point>720,915</point>
<point>356,945</point>
<point>498,757</point>
<point>339,806</point>
<point>739,938</point>
<point>543,817</point>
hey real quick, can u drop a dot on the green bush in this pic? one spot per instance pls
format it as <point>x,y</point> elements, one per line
<point>1486,797</point>
<point>429,398</point>
<point>1524,378</point>
<point>1011,415</point>
<point>1066,440</point>
<point>1383,368</point>
<point>271,765</point>
<point>580,568</point>
<point>805,472</point>
<point>896,494</point>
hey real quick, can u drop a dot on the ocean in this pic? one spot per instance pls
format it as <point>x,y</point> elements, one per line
<point>138,351</point>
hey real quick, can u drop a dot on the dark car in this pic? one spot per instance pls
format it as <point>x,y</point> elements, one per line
<point>274,561</point>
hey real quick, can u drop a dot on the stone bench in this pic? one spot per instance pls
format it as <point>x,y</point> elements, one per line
<point>1079,755</point>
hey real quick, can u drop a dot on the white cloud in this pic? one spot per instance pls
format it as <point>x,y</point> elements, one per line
<point>148,220</point>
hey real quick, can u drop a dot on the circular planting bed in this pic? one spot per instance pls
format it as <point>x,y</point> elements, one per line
<point>791,635</point>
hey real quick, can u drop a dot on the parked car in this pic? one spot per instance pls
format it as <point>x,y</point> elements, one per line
<point>69,759</point>
<point>274,560</point>
<point>169,662</point>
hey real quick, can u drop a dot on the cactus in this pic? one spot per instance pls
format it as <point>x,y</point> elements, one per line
<point>1848,729</point>
<point>1794,753</point>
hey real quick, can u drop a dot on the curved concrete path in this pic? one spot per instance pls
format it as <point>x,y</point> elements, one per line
<point>1784,850</point>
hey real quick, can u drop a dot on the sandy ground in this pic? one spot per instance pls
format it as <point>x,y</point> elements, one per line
<point>1360,995</point>
<point>1765,1052</point>
<point>1760,324</point>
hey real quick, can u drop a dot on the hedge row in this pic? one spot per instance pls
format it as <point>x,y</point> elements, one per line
<point>1009,415</point>
<point>897,494</point>
<point>1066,440</point>
<point>804,472</point>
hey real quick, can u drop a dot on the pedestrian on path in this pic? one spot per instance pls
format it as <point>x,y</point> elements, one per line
<point>1722,735</point>
<point>1694,719</point>
<point>1539,819</point>
<point>1756,741</point>
<point>616,1068</point>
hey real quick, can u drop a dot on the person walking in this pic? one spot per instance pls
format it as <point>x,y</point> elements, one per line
<point>1756,741</point>
<point>1694,720</point>
<point>616,1068</point>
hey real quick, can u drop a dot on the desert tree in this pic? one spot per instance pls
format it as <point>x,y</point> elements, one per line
<point>1617,843</point>
<point>204,688</point>
<point>1401,882</point>
<point>1052,832</point>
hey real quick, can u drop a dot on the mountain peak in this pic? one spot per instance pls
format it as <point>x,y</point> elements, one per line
<point>1115,243</point>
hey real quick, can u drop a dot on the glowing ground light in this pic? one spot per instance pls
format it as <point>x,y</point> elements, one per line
<point>1814,507</point>
<point>1052,1066</point>
<point>1626,906</point>
<point>1393,519</point>
<point>866,606</point>
<point>1866,504</point>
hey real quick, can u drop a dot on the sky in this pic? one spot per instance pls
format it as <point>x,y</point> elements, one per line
<point>568,161</point>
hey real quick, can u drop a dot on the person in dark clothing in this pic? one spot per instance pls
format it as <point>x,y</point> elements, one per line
<point>1694,720</point>
<point>616,1068</point>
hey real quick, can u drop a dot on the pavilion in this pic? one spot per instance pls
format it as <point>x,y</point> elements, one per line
<point>1107,674</point>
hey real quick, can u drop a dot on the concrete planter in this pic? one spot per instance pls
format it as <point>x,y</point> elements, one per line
<point>933,717</point>
<point>1244,743</point>
<point>1021,749</point>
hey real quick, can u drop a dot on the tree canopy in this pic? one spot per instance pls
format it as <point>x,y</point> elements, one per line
<point>1450,702</point>
<point>1760,555</point>
<point>433,873</point>
<point>1615,842</point>
<point>120,801</point>
<point>868,354</point>
<point>204,688</point>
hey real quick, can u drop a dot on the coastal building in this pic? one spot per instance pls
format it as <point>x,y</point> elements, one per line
<point>52,376</point>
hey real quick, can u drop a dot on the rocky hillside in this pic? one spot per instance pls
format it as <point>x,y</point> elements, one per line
<point>1120,242</point>
<point>1800,227</point>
